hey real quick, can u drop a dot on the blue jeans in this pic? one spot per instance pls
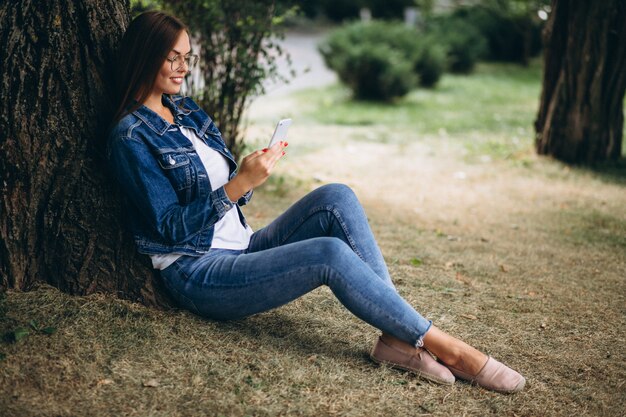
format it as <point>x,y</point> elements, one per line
<point>323,239</point>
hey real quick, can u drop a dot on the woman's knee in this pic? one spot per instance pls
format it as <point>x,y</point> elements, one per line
<point>337,195</point>
<point>333,251</point>
<point>341,265</point>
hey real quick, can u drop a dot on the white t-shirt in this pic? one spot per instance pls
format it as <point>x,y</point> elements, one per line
<point>229,233</point>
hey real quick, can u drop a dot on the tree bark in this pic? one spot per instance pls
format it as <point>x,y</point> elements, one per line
<point>581,117</point>
<point>60,212</point>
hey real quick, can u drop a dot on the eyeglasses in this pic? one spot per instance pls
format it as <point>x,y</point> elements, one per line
<point>177,61</point>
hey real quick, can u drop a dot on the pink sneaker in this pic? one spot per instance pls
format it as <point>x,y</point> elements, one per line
<point>399,354</point>
<point>494,376</point>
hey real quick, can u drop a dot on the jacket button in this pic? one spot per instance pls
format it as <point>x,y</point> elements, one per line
<point>172,161</point>
<point>225,149</point>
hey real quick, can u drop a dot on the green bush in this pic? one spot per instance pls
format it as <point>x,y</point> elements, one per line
<point>382,60</point>
<point>376,72</point>
<point>430,63</point>
<point>343,10</point>
<point>464,43</point>
<point>510,37</point>
<point>394,34</point>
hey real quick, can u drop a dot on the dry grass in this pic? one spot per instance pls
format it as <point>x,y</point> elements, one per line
<point>522,257</point>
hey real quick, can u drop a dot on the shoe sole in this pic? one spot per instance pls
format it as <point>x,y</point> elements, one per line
<point>413,371</point>
<point>518,388</point>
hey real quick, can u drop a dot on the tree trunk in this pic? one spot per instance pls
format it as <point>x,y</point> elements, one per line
<point>60,212</point>
<point>581,116</point>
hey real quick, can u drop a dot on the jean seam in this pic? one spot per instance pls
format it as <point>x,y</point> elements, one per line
<point>333,210</point>
<point>262,281</point>
<point>302,220</point>
<point>344,227</point>
<point>355,290</point>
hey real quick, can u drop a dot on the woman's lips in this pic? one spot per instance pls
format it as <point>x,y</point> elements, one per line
<point>177,80</point>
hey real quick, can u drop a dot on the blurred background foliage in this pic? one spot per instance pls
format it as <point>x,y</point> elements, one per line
<point>239,43</point>
<point>380,49</point>
<point>385,58</point>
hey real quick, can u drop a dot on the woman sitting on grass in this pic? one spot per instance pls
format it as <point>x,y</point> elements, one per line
<point>185,193</point>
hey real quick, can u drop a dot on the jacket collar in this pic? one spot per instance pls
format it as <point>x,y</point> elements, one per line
<point>156,122</point>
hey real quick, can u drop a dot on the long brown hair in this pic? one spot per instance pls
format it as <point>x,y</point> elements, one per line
<point>148,40</point>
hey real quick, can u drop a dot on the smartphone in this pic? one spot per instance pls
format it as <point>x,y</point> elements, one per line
<point>280,133</point>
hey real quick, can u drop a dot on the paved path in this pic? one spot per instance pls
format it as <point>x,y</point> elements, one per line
<point>310,70</point>
<point>306,61</point>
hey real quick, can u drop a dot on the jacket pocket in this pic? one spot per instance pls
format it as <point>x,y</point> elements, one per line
<point>171,160</point>
<point>179,170</point>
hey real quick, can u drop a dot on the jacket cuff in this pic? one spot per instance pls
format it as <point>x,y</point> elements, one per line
<point>221,202</point>
<point>244,199</point>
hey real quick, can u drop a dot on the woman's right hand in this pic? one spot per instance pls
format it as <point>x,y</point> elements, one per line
<point>254,170</point>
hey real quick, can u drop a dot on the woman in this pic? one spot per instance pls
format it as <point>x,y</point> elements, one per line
<point>185,193</point>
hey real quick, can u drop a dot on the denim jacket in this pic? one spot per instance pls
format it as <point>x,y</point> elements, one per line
<point>172,205</point>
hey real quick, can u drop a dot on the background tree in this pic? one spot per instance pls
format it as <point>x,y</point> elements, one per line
<point>581,117</point>
<point>60,213</point>
<point>60,218</point>
<point>238,51</point>
<point>512,28</point>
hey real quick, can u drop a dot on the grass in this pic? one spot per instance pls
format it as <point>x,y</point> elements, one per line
<point>496,99</point>
<point>521,256</point>
<point>489,113</point>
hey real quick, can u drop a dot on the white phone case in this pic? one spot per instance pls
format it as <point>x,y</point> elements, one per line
<point>280,133</point>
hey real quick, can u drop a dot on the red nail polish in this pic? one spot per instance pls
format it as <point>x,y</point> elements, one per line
<point>283,153</point>
<point>265,150</point>
<point>286,144</point>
